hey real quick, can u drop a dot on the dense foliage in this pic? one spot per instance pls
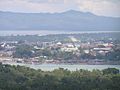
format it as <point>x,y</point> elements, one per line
<point>24,78</point>
<point>23,51</point>
<point>114,55</point>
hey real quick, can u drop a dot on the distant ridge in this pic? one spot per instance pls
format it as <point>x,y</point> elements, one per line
<point>69,20</point>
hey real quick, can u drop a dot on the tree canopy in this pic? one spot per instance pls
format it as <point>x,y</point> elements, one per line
<point>24,78</point>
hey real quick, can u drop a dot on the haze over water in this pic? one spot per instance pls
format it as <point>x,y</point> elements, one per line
<point>46,32</point>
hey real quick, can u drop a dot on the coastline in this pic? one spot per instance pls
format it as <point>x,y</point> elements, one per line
<point>71,67</point>
<point>46,32</point>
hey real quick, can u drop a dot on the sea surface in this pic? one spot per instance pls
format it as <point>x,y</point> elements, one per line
<point>51,67</point>
<point>45,32</point>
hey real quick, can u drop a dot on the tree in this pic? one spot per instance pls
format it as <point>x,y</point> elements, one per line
<point>23,51</point>
<point>113,55</point>
<point>111,71</point>
<point>25,78</point>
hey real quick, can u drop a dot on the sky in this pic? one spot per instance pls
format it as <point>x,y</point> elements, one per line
<point>99,7</point>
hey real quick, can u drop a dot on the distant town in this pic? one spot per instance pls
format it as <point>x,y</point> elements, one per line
<point>82,48</point>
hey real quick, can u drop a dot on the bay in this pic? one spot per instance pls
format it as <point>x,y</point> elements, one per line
<point>51,67</point>
<point>45,32</point>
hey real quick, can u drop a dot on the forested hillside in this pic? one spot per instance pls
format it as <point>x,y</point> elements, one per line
<point>24,78</point>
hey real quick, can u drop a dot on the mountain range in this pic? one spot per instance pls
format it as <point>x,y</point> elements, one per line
<point>69,20</point>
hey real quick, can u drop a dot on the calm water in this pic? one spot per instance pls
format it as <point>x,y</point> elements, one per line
<point>50,67</point>
<point>45,32</point>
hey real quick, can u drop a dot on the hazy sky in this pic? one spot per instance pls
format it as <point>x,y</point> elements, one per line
<point>99,7</point>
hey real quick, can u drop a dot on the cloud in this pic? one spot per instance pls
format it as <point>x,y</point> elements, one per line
<point>99,7</point>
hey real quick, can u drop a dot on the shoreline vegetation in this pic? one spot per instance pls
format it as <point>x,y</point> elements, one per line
<point>25,78</point>
<point>71,67</point>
